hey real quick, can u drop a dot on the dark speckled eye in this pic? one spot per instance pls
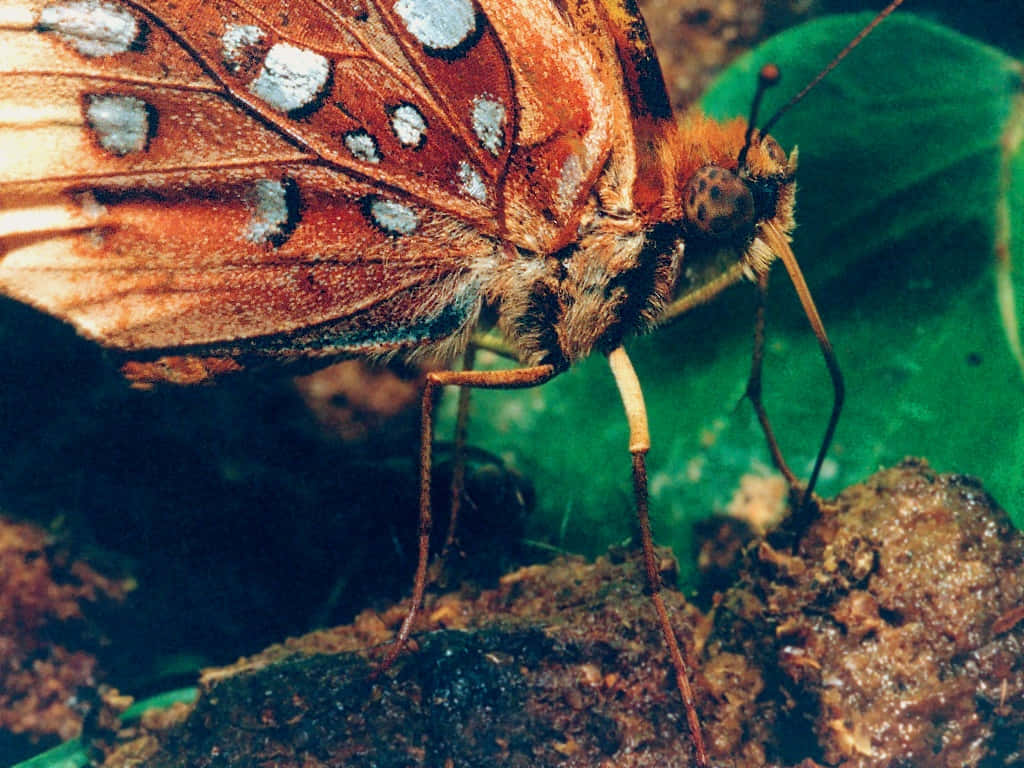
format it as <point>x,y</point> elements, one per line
<point>718,204</point>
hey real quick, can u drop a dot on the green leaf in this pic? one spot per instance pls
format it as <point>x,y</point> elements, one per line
<point>186,695</point>
<point>1009,233</point>
<point>901,138</point>
<point>68,755</point>
<point>900,178</point>
<point>898,183</point>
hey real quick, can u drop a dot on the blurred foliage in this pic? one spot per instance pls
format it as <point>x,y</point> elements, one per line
<point>72,754</point>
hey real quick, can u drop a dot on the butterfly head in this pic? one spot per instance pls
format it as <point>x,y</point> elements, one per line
<point>725,189</point>
<point>725,203</point>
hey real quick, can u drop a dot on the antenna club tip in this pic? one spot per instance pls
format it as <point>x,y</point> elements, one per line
<point>769,74</point>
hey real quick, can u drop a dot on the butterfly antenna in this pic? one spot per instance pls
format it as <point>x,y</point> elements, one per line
<point>766,78</point>
<point>832,65</point>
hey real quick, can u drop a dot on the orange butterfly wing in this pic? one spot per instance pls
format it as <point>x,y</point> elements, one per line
<point>294,179</point>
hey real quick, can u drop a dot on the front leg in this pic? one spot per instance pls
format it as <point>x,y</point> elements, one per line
<point>517,378</point>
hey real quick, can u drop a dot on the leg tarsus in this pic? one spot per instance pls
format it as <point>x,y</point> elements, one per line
<point>779,245</point>
<point>654,585</point>
<point>423,529</point>
<point>459,467</point>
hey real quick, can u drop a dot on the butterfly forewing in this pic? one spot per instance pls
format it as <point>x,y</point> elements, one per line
<point>346,85</point>
<point>293,179</point>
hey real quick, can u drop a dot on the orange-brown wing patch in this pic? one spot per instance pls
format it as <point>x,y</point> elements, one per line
<point>88,89</point>
<point>650,108</point>
<point>299,175</point>
<point>385,90</point>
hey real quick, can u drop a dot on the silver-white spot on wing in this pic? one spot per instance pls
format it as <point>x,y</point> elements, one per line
<point>397,218</point>
<point>291,77</point>
<point>120,123</point>
<point>471,182</point>
<point>489,123</point>
<point>272,215</point>
<point>92,27</point>
<point>362,146</point>
<point>409,125</point>
<point>238,43</point>
<point>438,24</point>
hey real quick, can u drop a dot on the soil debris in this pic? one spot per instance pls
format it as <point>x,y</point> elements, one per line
<point>888,634</point>
<point>52,613</point>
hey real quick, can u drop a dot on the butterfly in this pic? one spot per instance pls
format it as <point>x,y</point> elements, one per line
<point>208,187</point>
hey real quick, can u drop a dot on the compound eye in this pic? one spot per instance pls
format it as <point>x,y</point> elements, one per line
<point>718,204</point>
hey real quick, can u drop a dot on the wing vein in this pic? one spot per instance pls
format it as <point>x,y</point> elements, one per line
<point>148,173</point>
<point>171,85</point>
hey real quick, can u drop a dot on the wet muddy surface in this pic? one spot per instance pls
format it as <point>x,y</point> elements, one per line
<point>886,632</point>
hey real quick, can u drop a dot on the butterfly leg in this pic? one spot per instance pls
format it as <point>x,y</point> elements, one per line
<point>779,244</point>
<point>754,388</point>
<point>639,444</point>
<point>517,378</point>
<point>459,467</point>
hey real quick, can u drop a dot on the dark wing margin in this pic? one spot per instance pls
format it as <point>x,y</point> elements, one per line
<point>645,84</point>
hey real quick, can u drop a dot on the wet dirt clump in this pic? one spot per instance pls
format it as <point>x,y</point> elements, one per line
<point>561,664</point>
<point>884,631</point>
<point>891,634</point>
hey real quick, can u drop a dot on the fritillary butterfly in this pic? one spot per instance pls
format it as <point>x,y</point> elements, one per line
<point>207,186</point>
